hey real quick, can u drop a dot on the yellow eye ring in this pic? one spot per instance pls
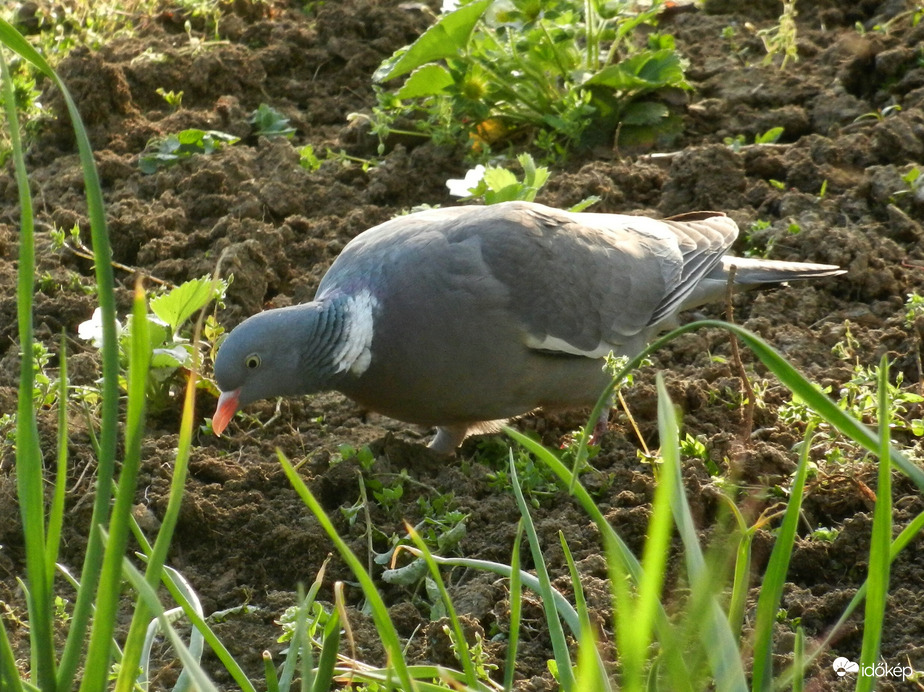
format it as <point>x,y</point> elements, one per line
<point>252,361</point>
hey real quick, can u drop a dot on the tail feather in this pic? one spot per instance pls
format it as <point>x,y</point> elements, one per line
<point>751,271</point>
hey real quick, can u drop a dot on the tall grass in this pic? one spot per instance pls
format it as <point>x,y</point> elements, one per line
<point>89,650</point>
<point>696,644</point>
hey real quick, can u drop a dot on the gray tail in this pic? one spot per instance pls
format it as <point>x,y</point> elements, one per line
<point>752,272</point>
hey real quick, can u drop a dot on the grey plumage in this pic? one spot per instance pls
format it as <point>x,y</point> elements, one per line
<point>462,316</point>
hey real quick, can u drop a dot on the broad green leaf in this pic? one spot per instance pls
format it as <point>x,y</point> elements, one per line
<point>618,78</point>
<point>176,307</point>
<point>498,178</point>
<point>649,70</point>
<point>172,358</point>
<point>644,113</point>
<point>190,136</point>
<point>442,40</point>
<point>426,81</point>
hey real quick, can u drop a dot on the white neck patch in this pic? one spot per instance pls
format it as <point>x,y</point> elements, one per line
<point>355,352</point>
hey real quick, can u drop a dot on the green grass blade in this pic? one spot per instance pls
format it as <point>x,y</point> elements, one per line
<point>29,477</point>
<point>516,611</point>
<point>110,388</point>
<point>879,562</point>
<point>657,545</point>
<point>620,558</point>
<point>775,575</point>
<point>9,674</point>
<point>912,531</point>
<point>580,602</point>
<point>107,600</point>
<point>587,634</point>
<point>299,641</point>
<point>327,661</point>
<point>157,556</point>
<point>461,644</point>
<point>714,633</point>
<point>798,660</point>
<point>56,510</point>
<point>383,623</point>
<point>269,672</point>
<point>200,679</point>
<point>589,674</point>
<point>740,582</point>
<point>559,642</point>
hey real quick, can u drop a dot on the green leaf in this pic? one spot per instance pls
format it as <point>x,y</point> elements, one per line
<point>193,136</point>
<point>426,81</point>
<point>172,358</point>
<point>769,137</point>
<point>498,178</point>
<point>445,39</point>
<point>645,71</point>
<point>644,113</point>
<point>176,307</point>
<point>268,122</point>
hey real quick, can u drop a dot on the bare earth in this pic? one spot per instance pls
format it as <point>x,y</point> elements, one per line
<point>244,536</point>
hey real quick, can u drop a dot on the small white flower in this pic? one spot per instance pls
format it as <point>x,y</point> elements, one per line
<point>92,329</point>
<point>466,186</point>
<point>449,6</point>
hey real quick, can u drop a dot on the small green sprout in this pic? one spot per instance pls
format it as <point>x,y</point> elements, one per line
<point>914,308</point>
<point>363,456</point>
<point>781,39</point>
<point>771,136</point>
<point>307,159</point>
<point>738,142</point>
<point>174,99</point>
<point>825,535</point>
<point>175,148</point>
<point>268,122</point>
<point>735,143</point>
<point>880,113</point>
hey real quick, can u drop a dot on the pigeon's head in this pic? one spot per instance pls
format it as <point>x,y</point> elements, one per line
<point>263,358</point>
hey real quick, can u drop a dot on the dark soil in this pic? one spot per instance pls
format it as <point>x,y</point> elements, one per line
<point>245,537</point>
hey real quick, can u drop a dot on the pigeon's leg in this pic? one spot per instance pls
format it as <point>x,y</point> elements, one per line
<point>602,421</point>
<point>448,437</point>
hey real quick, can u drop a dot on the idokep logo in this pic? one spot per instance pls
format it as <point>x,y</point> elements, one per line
<point>842,666</point>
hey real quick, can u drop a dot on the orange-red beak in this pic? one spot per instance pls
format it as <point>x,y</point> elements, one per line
<point>227,407</point>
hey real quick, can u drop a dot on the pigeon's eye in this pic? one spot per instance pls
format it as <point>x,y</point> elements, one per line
<point>252,361</point>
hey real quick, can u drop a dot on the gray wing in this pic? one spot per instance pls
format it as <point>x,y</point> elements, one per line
<point>594,283</point>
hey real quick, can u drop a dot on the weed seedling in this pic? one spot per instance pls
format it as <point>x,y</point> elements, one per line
<point>174,99</point>
<point>268,122</point>
<point>172,149</point>
<point>914,308</point>
<point>781,39</point>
